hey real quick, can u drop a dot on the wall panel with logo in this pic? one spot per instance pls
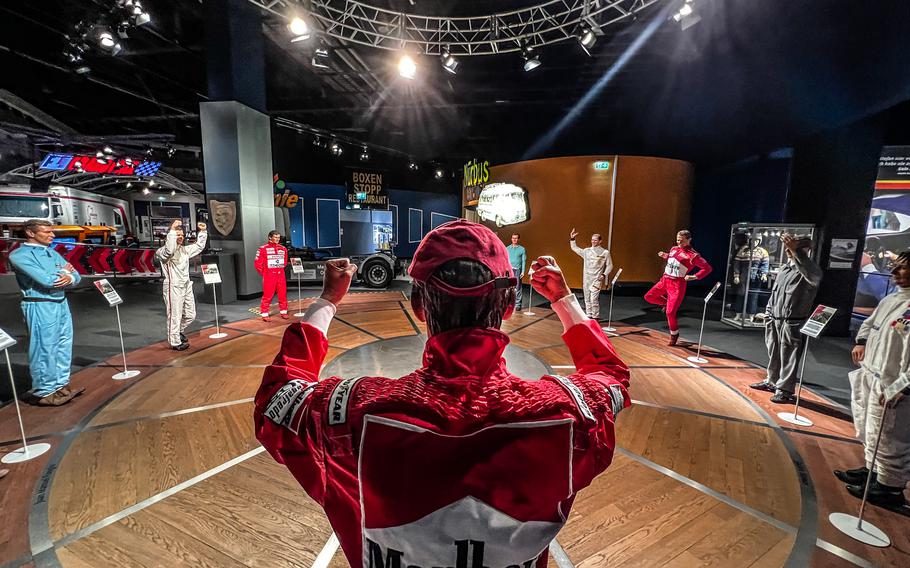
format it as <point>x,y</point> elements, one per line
<point>650,203</point>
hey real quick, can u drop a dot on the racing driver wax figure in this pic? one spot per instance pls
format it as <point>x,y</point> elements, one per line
<point>271,258</point>
<point>880,395</point>
<point>459,459</point>
<point>670,290</point>
<point>175,257</point>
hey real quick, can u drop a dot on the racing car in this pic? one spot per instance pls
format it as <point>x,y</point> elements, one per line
<point>376,270</point>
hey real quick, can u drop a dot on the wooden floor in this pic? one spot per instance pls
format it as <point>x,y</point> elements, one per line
<point>164,470</point>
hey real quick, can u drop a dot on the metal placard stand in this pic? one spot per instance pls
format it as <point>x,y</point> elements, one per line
<point>704,313</point>
<point>297,270</point>
<point>812,328</point>
<point>212,275</point>
<point>610,328</point>
<point>530,293</point>
<point>114,300</point>
<point>218,333</point>
<point>855,527</point>
<point>26,452</point>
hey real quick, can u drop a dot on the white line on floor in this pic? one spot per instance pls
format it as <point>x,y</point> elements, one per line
<point>327,552</point>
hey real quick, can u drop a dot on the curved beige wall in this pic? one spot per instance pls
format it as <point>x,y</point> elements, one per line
<point>653,197</point>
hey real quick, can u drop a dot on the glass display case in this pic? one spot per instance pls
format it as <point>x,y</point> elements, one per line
<point>756,254</point>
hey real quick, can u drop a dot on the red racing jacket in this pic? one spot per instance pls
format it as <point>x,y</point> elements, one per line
<point>459,462</point>
<point>271,258</point>
<point>680,260</point>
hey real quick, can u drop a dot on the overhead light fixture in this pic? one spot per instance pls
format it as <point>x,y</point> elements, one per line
<point>412,165</point>
<point>364,155</point>
<point>449,63</point>
<point>336,149</point>
<point>142,18</point>
<point>407,67</point>
<point>532,61</point>
<point>108,43</point>
<point>99,154</point>
<point>686,16</point>
<point>321,57</point>
<point>171,151</point>
<point>146,191</point>
<point>439,173</point>
<point>128,161</point>
<point>685,10</point>
<point>587,39</point>
<point>129,184</point>
<point>173,192</point>
<point>83,70</point>
<point>151,183</point>
<point>108,150</point>
<point>299,29</point>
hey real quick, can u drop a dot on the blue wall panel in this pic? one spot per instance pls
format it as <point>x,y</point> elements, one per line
<point>328,223</point>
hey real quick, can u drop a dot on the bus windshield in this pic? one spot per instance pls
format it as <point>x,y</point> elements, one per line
<point>28,207</point>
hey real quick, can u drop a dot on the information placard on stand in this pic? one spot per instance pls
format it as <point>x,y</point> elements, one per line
<point>812,328</point>
<point>530,293</point>
<point>26,452</point>
<point>297,271</point>
<point>610,328</point>
<point>211,275</point>
<point>698,358</point>
<point>114,300</point>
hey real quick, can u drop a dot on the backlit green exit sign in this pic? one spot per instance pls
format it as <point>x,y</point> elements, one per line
<point>601,165</point>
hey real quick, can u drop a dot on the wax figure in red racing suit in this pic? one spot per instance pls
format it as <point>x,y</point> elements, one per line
<point>459,462</point>
<point>670,290</point>
<point>271,258</point>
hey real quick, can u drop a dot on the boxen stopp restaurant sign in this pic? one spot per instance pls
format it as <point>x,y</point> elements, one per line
<point>366,190</point>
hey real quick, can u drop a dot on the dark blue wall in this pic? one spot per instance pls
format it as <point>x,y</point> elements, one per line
<point>753,190</point>
<point>437,209</point>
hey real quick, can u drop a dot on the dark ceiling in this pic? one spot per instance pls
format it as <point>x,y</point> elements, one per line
<point>750,77</point>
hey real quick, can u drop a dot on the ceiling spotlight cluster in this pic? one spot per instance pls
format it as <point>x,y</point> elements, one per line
<point>686,15</point>
<point>102,33</point>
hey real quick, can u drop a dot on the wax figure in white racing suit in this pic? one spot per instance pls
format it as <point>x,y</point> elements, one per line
<point>597,267</point>
<point>177,291</point>
<point>883,353</point>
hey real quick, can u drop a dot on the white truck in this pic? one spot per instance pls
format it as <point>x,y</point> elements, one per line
<point>62,205</point>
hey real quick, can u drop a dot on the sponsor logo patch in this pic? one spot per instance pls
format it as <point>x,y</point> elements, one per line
<point>338,402</point>
<point>286,403</point>
<point>617,401</point>
<point>577,395</point>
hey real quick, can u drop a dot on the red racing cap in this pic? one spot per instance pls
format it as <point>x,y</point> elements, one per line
<point>462,239</point>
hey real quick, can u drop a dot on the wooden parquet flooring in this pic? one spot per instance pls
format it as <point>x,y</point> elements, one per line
<point>165,470</point>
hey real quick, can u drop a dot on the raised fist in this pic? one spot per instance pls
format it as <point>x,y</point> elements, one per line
<point>176,224</point>
<point>200,227</point>
<point>337,280</point>
<point>548,280</point>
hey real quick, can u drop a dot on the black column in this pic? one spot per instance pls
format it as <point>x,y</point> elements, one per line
<point>831,185</point>
<point>235,55</point>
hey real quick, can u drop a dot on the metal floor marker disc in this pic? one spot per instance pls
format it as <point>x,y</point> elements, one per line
<point>694,359</point>
<point>219,335</point>
<point>123,375</point>
<point>868,534</point>
<point>794,419</point>
<point>25,454</point>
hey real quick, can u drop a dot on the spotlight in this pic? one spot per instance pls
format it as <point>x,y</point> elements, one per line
<point>449,63</point>
<point>151,183</point>
<point>108,150</point>
<point>587,39</point>
<point>412,165</point>
<point>336,149</point>
<point>170,151</point>
<point>317,141</point>
<point>685,10</point>
<point>128,161</point>
<point>532,62</point>
<point>173,192</point>
<point>78,165</point>
<point>99,154</point>
<point>83,70</point>
<point>146,191</point>
<point>149,151</point>
<point>364,155</point>
<point>299,28</point>
<point>407,67</point>
<point>106,40</point>
<point>143,18</point>
<point>129,184</point>
<point>438,174</point>
<point>321,58</point>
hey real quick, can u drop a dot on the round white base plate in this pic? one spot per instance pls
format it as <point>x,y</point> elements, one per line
<point>699,360</point>
<point>299,314</point>
<point>609,328</point>
<point>123,375</point>
<point>793,419</point>
<point>20,455</point>
<point>868,534</point>
<point>528,313</point>
<point>220,335</point>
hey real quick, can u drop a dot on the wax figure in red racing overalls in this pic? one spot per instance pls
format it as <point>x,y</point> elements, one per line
<point>670,290</point>
<point>271,258</point>
<point>460,462</point>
